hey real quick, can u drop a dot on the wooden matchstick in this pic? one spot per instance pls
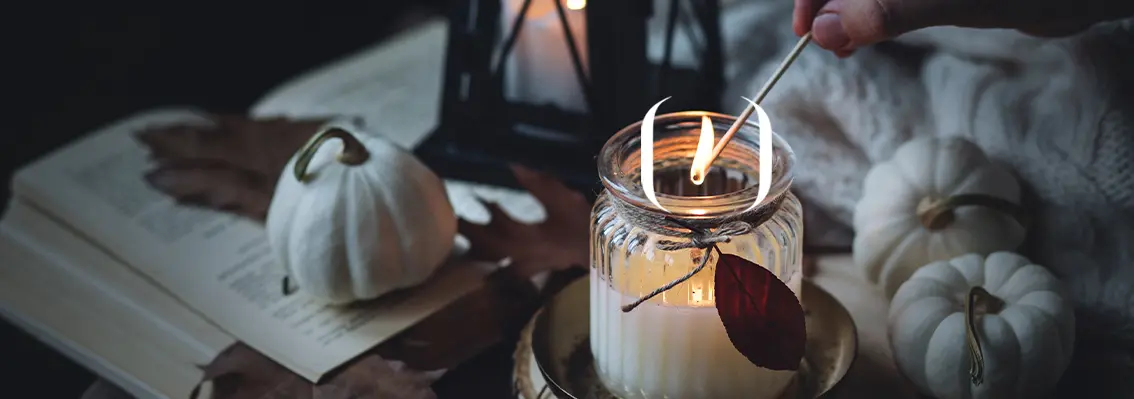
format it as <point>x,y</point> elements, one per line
<point>740,120</point>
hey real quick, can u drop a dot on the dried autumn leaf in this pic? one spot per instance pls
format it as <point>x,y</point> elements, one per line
<point>232,165</point>
<point>559,242</point>
<point>762,316</point>
<point>505,303</point>
<point>373,377</point>
<point>259,145</point>
<point>241,372</point>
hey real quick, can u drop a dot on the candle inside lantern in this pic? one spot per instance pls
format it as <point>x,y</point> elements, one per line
<point>540,69</point>
<point>675,345</point>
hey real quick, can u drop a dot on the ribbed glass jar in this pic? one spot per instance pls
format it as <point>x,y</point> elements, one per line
<point>674,345</point>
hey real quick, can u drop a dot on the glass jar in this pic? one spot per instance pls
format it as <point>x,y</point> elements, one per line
<point>674,345</point>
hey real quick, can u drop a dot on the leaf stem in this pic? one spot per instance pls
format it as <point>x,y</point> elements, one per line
<point>978,297</point>
<point>353,152</point>
<point>939,214</point>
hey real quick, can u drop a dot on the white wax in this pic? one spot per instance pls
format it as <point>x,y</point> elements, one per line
<point>539,70</point>
<point>674,351</point>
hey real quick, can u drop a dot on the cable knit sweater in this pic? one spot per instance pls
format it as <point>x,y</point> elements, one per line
<point>1059,112</point>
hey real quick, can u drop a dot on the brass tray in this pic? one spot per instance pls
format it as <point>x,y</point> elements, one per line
<point>552,359</point>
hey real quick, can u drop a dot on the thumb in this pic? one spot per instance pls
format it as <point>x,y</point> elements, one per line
<point>849,24</point>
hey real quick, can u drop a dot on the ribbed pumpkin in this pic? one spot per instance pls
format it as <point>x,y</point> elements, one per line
<point>354,217</point>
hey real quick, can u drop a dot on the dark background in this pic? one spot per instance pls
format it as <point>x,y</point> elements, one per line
<point>66,75</point>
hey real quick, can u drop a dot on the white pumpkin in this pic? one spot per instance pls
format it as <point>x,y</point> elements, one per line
<point>937,198</point>
<point>354,217</point>
<point>1022,328</point>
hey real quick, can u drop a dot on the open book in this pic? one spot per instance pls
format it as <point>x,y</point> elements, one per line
<point>142,291</point>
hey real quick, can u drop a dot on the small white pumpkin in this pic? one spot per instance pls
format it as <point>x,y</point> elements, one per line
<point>937,198</point>
<point>975,327</point>
<point>354,217</point>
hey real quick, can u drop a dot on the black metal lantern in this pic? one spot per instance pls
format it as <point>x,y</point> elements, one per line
<point>484,126</point>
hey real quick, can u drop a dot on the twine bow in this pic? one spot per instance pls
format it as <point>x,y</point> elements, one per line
<point>706,239</point>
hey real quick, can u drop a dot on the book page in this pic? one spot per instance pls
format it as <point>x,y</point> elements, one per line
<point>217,263</point>
<point>393,86</point>
<point>97,311</point>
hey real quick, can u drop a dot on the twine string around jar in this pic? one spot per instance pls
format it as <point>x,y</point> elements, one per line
<point>703,233</point>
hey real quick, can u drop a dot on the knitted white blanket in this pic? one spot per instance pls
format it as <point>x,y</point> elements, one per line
<point>1059,112</point>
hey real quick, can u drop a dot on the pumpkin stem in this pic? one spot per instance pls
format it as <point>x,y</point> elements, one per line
<point>288,287</point>
<point>939,214</point>
<point>353,153</point>
<point>978,301</point>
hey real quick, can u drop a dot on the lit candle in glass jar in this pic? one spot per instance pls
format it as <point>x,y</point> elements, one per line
<point>540,70</point>
<point>675,345</point>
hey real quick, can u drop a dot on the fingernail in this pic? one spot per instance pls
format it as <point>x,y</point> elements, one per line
<point>829,33</point>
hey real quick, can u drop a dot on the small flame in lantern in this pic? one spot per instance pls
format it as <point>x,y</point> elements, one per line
<point>576,4</point>
<point>700,165</point>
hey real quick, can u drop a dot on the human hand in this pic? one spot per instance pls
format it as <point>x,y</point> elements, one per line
<point>845,25</point>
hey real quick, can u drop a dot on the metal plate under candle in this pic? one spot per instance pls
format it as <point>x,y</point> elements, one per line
<point>553,358</point>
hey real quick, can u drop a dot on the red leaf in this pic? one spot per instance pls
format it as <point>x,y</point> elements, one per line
<point>762,316</point>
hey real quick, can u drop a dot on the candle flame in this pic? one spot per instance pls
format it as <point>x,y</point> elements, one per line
<point>701,164</point>
<point>576,4</point>
<point>701,159</point>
